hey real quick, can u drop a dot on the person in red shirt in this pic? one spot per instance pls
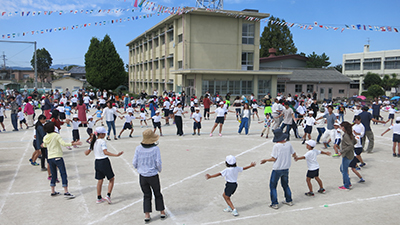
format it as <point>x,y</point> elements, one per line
<point>206,103</point>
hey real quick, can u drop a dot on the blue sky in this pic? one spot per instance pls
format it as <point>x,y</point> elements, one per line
<point>70,46</point>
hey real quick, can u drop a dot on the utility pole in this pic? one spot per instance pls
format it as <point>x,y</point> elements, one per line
<point>4,61</point>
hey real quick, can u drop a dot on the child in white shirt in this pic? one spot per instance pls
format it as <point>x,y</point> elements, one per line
<point>255,106</point>
<point>191,107</point>
<point>2,109</point>
<point>157,122</point>
<point>142,118</point>
<point>75,129</point>
<point>338,139</point>
<point>89,130</point>
<point>392,111</point>
<point>309,122</point>
<point>21,118</point>
<point>313,166</point>
<point>396,136</point>
<point>128,123</point>
<point>102,164</point>
<point>197,121</point>
<point>230,174</point>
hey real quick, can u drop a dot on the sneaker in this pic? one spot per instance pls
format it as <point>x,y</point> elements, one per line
<point>30,160</point>
<point>69,148</point>
<point>193,133</point>
<point>262,134</point>
<point>163,216</point>
<point>220,134</point>
<point>198,134</point>
<point>335,155</point>
<point>321,190</point>
<point>119,136</point>
<point>318,142</point>
<point>288,203</point>
<point>228,209</point>
<point>54,194</point>
<point>394,155</point>
<point>361,180</point>
<point>343,188</point>
<point>235,212</point>
<point>328,145</point>
<point>132,137</point>
<point>309,193</point>
<point>44,169</point>
<point>210,134</point>
<point>274,206</point>
<point>98,201</point>
<point>69,195</point>
<point>108,199</point>
<point>304,141</point>
<point>35,164</point>
<point>358,168</point>
<point>362,164</point>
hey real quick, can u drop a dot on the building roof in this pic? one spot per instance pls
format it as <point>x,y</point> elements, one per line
<point>67,77</point>
<point>313,75</point>
<point>282,57</point>
<point>199,11</point>
<point>232,72</point>
<point>78,69</point>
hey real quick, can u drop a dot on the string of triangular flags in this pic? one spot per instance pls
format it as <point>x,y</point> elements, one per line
<point>138,6</point>
<point>335,28</point>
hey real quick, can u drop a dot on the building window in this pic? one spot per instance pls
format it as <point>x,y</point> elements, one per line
<point>298,88</point>
<point>341,91</point>
<point>247,60</point>
<point>310,88</point>
<point>150,45</point>
<point>171,36</point>
<point>26,76</point>
<point>162,63</point>
<point>280,88</point>
<point>145,66</point>
<point>180,38</point>
<point>392,62</point>
<point>222,87</point>
<point>145,47</point>
<point>171,63</point>
<point>352,64</point>
<point>248,34</point>
<point>156,63</point>
<point>150,66</point>
<point>372,64</point>
<point>180,65</point>
<point>162,39</point>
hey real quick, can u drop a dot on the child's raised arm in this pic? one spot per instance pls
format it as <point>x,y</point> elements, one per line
<point>326,153</point>
<point>272,159</point>
<point>252,164</point>
<point>208,176</point>
<point>385,132</point>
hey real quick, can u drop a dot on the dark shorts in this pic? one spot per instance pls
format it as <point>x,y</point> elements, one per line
<point>300,116</point>
<point>62,116</point>
<point>192,109</point>
<point>196,125</point>
<point>230,188</point>
<point>391,116</point>
<point>166,112</point>
<point>127,126</point>
<point>34,144</point>
<point>74,104</point>
<point>220,120</point>
<point>22,121</point>
<point>337,141</point>
<point>103,169</point>
<point>102,106</point>
<point>75,135</point>
<point>255,111</point>
<point>157,125</point>
<point>308,129</point>
<point>1,119</point>
<point>358,151</point>
<point>89,131</point>
<point>353,163</point>
<point>396,137</point>
<point>312,173</point>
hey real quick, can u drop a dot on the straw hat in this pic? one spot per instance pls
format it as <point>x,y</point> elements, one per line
<point>149,137</point>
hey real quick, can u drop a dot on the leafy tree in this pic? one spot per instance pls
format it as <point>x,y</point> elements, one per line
<point>68,68</point>
<point>338,67</point>
<point>317,61</point>
<point>104,67</point>
<point>371,79</point>
<point>390,81</point>
<point>44,62</point>
<point>278,37</point>
<point>375,90</point>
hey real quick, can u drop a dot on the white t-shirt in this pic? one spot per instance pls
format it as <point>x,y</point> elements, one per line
<point>321,122</point>
<point>102,101</point>
<point>21,116</point>
<point>109,113</point>
<point>395,128</point>
<point>143,116</point>
<point>338,134</point>
<point>311,158</point>
<point>197,116</point>
<point>86,99</point>
<point>91,124</point>
<point>61,109</point>
<point>156,118</point>
<point>254,105</point>
<point>309,121</point>
<point>196,101</point>
<point>282,152</point>
<point>275,108</point>
<point>361,127</point>
<point>75,124</point>
<point>191,104</point>
<point>98,148</point>
<point>74,100</point>
<point>231,174</point>
<point>63,100</point>
<point>1,111</point>
<point>301,109</point>
<point>129,118</point>
<point>178,111</point>
<point>392,111</point>
<point>220,112</point>
<point>166,105</point>
<point>246,113</point>
<point>357,112</point>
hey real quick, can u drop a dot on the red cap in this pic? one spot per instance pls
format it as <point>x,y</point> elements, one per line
<point>296,95</point>
<point>224,101</point>
<point>191,99</point>
<point>19,108</point>
<point>43,97</point>
<point>217,95</point>
<point>195,96</point>
<point>166,98</point>
<point>74,95</point>
<point>129,104</point>
<point>142,109</point>
<point>131,97</point>
<point>113,104</point>
<point>254,100</point>
<point>55,100</point>
<point>173,98</point>
<point>29,97</point>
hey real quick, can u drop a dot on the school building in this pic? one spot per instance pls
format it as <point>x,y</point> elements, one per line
<point>201,51</point>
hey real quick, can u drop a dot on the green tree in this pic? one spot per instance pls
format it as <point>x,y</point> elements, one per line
<point>371,79</point>
<point>317,61</point>
<point>338,67</point>
<point>390,81</point>
<point>68,68</point>
<point>44,62</point>
<point>104,67</point>
<point>278,37</point>
<point>375,90</point>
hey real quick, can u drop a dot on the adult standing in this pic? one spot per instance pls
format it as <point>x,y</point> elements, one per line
<point>67,93</point>
<point>376,110</point>
<point>40,133</point>
<point>47,106</point>
<point>14,111</point>
<point>268,103</point>
<point>35,94</point>
<point>245,119</point>
<point>366,118</point>
<point>275,113</point>
<point>147,161</point>
<point>314,107</point>
<point>178,111</point>
<point>206,103</point>
<point>281,156</point>
<point>320,124</point>
<point>288,116</point>
<point>109,113</point>
<point>347,153</point>
<point>330,132</point>
<point>29,111</point>
<point>82,112</point>
<point>19,98</point>
<point>126,102</point>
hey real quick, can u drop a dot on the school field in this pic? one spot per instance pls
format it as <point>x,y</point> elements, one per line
<point>189,197</point>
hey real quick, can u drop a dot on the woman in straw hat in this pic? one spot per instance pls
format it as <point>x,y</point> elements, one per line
<point>147,161</point>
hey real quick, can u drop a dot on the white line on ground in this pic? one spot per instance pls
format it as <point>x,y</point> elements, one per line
<point>178,182</point>
<point>170,214</point>
<point>304,209</point>
<point>126,161</point>
<point>80,187</point>
<point>13,179</point>
<point>23,136</point>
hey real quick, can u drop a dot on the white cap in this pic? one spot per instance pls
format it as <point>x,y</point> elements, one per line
<point>230,159</point>
<point>221,103</point>
<point>90,117</point>
<point>311,112</point>
<point>157,111</point>
<point>398,118</point>
<point>129,110</point>
<point>197,108</point>
<point>75,116</point>
<point>311,143</point>
<point>336,124</point>
<point>101,130</point>
<point>336,114</point>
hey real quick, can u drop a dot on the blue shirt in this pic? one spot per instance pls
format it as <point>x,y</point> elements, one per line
<point>376,109</point>
<point>330,120</point>
<point>98,113</point>
<point>147,161</point>
<point>67,110</point>
<point>366,120</point>
<point>153,107</point>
